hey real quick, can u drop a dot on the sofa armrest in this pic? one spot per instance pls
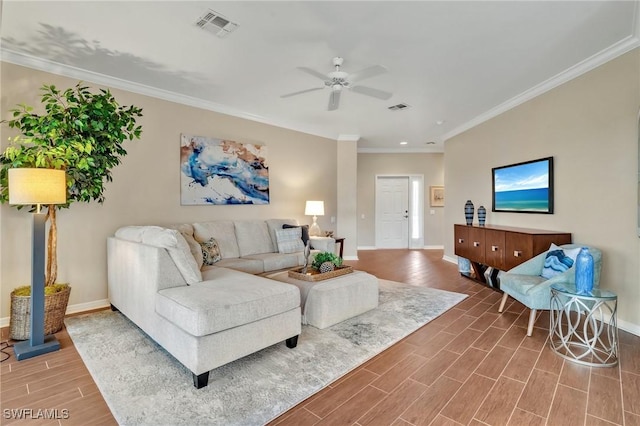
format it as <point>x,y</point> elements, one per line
<point>323,244</point>
<point>135,273</point>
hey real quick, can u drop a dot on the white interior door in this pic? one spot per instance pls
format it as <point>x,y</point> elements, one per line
<point>392,212</point>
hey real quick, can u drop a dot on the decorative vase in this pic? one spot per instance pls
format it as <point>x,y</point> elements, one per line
<point>584,271</point>
<point>327,267</point>
<point>307,252</point>
<point>482,215</point>
<point>468,212</point>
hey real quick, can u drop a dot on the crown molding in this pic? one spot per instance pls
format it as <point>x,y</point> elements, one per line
<point>57,68</point>
<point>600,58</point>
<point>399,151</point>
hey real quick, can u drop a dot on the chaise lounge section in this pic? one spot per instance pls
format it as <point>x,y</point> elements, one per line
<point>205,316</point>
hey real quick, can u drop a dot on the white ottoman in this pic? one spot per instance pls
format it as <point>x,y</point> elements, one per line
<point>328,302</point>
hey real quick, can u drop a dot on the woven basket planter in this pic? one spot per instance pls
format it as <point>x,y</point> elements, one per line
<point>55,306</point>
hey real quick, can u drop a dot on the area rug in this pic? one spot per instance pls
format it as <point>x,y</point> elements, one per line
<point>144,385</point>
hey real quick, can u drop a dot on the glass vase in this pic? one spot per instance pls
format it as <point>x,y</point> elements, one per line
<point>584,271</point>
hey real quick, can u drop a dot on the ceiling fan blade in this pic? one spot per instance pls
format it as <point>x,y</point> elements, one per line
<point>368,73</point>
<point>301,92</point>
<point>314,73</point>
<point>334,100</point>
<point>370,91</point>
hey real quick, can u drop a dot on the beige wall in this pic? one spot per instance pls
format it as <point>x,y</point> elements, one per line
<point>146,188</point>
<point>370,165</point>
<point>589,125</point>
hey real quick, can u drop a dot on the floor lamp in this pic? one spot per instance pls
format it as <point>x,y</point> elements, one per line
<point>37,187</point>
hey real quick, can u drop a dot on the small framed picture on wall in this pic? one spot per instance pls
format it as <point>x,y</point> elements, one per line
<point>436,196</point>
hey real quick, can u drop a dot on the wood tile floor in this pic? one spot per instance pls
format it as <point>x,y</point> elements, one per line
<point>469,366</point>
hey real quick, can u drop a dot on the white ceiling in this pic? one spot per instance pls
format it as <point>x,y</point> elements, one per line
<point>459,62</point>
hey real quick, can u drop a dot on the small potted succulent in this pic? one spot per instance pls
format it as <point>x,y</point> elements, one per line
<point>326,262</point>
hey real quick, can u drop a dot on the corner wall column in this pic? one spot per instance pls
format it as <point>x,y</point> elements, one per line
<point>347,171</point>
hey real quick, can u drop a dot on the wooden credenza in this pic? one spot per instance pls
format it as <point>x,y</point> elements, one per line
<point>502,247</point>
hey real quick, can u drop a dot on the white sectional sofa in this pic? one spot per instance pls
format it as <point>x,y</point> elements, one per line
<point>207,316</point>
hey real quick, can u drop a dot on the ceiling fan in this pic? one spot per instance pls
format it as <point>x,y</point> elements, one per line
<point>337,80</point>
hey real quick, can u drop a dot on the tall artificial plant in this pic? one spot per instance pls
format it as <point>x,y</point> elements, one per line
<point>81,132</point>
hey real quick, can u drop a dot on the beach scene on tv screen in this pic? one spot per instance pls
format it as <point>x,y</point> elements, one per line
<point>523,187</point>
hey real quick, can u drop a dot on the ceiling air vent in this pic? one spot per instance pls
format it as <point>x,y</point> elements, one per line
<point>215,23</point>
<point>398,107</point>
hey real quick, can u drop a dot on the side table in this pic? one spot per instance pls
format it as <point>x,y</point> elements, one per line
<point>341,241</point>
<point>583,327</point>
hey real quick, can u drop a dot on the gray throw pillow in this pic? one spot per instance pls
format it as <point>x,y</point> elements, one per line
<point>303,228</point>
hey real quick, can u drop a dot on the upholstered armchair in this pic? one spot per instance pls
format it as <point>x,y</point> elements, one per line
<point>525,283</point>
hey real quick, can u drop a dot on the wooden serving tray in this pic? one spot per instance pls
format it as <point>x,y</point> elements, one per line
<point>315,275</point>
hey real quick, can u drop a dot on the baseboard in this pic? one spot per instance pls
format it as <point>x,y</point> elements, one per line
<point>367,248</point>
<point>350,258</point>
<point>629,327</point>
<point>72,309</point>
<point>450,259</point>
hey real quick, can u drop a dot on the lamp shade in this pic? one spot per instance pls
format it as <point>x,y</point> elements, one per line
<point>37,186</point>
<point>314,208</point>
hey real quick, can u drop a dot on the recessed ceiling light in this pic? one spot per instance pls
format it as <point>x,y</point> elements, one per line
<point>404,143</point>
<point>439,122</point>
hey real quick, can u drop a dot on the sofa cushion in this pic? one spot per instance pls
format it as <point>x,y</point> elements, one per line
<point>228,299</point>
<point>250,266</point>
<point>170,239</point>
<point>275,261</point>
<point>210,252</point>
<point>186,229</point>
<point>275,224</point>
<point>253,237</point>
<point>289,240</point>
<point>224,233</point>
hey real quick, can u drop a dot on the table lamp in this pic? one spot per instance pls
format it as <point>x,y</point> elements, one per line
<point>37,187</point>
<point>315,209</point>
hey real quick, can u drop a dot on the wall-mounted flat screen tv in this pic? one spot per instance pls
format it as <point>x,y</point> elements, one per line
<point>524,187</point>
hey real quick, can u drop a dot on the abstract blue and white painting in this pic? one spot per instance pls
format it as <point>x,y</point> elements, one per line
<point>220,171</point>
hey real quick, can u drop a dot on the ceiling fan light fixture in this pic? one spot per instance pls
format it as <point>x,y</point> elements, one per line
<point>338,80</point>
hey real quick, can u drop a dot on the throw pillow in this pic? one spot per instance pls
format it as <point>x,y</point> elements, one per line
<point>558,260</point>
<point>289,240</point>
<point>210,252</point>
<point>303,228</point>
<point>170,239</point>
